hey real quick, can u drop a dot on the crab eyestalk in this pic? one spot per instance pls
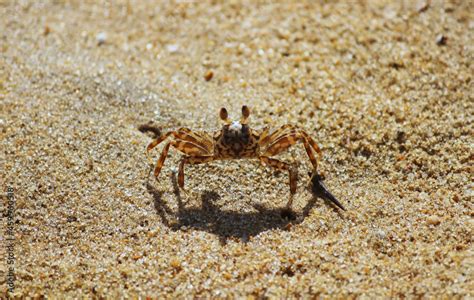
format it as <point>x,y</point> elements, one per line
<point>245,114</point>
<point>224,115</point>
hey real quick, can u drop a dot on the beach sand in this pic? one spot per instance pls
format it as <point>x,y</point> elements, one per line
<point>385,88</point>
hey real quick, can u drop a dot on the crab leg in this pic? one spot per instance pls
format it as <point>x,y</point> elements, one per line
<point>184,134</point>
<point>265,138</point>
<point>286,141</point>
<point>158,141</point>
<point>199,138</point>
<point>312,143</point>
<point>183,146</point>
<point>275,163</point>
<point>192,160</point>
<point>311,156</point>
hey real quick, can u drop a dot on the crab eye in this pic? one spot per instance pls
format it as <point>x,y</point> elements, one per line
<point>223,114</point>
<point>245,111</point>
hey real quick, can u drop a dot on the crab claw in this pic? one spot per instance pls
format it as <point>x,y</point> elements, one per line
<point>321,190</point>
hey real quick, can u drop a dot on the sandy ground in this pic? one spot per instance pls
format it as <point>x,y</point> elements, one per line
<point>386,89</point>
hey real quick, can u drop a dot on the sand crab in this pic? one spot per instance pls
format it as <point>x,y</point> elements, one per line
<point>237,140</point>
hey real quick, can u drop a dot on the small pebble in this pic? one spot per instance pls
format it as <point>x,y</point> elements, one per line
<point>47,30</point>
<point>208,76</point>
<point>422,6</point>
<point>71,219</point>
<point>381,234</point>
<point>433,220</point>
<point>441,40</point>
<point>101,38</point>
<point>172,48</point>
<point>175,264</point>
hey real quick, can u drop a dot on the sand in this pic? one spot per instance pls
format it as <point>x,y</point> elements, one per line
<point>385,88</point>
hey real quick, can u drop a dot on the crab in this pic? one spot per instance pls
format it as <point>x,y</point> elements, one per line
<point>236,140</point>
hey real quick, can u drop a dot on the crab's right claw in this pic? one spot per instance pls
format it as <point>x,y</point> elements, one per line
<point>321,190</point>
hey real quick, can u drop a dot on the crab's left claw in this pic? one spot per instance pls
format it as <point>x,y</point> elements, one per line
<point>321,190</point>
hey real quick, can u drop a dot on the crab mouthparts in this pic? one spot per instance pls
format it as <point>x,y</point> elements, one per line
<point>235,126</point>
<point>237,147</point>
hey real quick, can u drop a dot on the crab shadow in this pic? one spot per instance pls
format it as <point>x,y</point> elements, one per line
<point>215,219</point>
